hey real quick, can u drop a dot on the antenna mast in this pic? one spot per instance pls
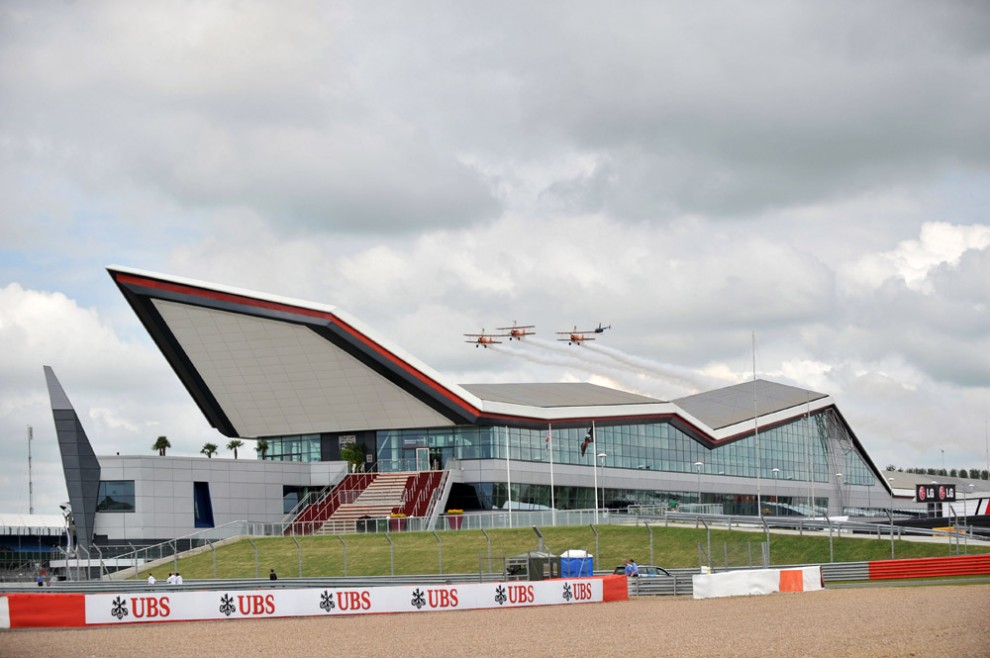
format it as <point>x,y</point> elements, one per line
<point>30,481</point>
<point>756,435</point>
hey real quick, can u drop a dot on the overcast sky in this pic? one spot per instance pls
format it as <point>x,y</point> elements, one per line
<point>691,173</point>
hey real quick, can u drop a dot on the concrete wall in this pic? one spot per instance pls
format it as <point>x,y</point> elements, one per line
<point>240,489</point>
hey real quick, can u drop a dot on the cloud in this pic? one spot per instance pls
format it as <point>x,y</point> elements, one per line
<point>912,261</point>
<point>124,392</point>
<point>693,174</point>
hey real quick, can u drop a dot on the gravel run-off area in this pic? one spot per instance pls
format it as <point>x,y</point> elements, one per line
<point>946,620</point>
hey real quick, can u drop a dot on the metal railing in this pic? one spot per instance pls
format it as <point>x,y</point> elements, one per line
<point>121,558</point>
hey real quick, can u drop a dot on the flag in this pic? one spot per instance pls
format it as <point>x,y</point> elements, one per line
<point>589,438</point>
<point>548,437</point>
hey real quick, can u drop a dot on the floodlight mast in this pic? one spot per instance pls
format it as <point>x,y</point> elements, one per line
<point>30,480</point>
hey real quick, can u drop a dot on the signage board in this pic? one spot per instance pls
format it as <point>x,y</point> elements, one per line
<point>935,493</point>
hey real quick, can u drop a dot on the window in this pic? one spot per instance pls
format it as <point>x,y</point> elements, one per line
<point>115,496</point>
<point>202,505</point>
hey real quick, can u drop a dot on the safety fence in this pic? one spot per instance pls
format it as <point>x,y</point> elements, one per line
<point>127,560</point>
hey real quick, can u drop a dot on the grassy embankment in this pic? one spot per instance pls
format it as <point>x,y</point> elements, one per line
<point>467,551</point>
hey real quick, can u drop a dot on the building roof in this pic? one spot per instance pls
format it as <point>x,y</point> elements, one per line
<point>740,403</point>
<point>264,365</point>
<point>38,525</point>
<point>556,395</point>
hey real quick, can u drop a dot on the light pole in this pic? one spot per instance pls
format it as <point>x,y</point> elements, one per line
<point>891,480</point>
<point>699,465</point>
<point>601,458</point>
<point>776,500</point>
<point>839,477</point>
<point>594,468</point>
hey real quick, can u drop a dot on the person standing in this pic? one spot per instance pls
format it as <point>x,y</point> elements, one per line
<point>151,579</point>
<point>632,569</point>
<point>272,575</point>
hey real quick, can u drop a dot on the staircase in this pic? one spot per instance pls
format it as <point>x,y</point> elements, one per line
<point>384,496</point>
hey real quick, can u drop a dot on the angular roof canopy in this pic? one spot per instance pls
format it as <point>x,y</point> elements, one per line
<point>264,365</point>
<point>743,402</point>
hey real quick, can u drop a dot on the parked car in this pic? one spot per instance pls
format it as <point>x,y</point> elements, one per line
<point>647,570</point>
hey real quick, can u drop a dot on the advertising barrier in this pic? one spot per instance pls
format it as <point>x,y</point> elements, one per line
<point>74,610</point>
<point>757,581</point>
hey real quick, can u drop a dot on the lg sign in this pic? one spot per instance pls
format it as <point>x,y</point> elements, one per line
<point>935,493</point>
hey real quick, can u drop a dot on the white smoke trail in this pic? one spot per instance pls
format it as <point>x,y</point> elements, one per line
<point>680,376</point>
<point>588,354</point>
<point>575,358</point>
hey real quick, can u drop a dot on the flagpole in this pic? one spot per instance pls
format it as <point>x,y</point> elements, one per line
<point>553,502</point>
<point>594,468</point>
<point>508,476</point>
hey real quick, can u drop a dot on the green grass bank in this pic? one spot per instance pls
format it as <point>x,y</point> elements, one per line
<point>467,551</point>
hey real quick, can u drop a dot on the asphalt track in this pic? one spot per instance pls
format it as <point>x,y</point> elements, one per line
<point>946,620</point>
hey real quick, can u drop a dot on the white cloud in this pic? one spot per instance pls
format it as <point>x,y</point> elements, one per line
<point>123,392</point>
<point>912,261</point>
<point>690,174</point>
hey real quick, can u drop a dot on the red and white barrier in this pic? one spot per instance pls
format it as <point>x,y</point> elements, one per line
<point>73,610</point>
<point>757,581</point>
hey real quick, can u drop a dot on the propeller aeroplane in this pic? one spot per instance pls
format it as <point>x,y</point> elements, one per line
<point>483,339</point>
<point>576,337</point>
<point>517,331</point>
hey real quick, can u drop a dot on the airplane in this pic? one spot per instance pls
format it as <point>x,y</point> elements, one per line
<point>517,331</point>
<point>576,337</point>
<point>483,339</point>
<point>601,329</point>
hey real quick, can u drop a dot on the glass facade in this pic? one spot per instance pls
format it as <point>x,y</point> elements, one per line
<point>803,450</point>
<point>296,448</point>
<point>815,449</point>
<point>115,496</point>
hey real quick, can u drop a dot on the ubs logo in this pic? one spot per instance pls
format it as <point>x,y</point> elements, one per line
<point>150,606</point>
<point>227,605</point>
<point>119,608</point>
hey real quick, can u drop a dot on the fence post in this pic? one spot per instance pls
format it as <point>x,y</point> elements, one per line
<point>647,524</point>
<point>212,548</point>
<point>439,550</point>
<point>250,541</point>
<point>391,553</point>
<point>341,540</point>
<point>298,554</point>
<point>489,541</point>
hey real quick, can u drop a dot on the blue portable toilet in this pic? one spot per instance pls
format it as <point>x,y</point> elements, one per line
<point>575,562</point>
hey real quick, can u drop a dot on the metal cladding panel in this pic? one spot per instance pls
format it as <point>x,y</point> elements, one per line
<point>736,404</point>
<point>272,377</point>
<point>79,463</point>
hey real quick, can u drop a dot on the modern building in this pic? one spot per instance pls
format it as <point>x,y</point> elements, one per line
<point>309,380</point>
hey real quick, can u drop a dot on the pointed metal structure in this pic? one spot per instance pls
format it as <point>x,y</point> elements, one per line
<point>79,463</point>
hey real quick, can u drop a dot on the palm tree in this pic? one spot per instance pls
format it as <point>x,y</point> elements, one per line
<point>209,449</point>
<point>234,445</point>
<point>262,448</point>
<point>161,445</point>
